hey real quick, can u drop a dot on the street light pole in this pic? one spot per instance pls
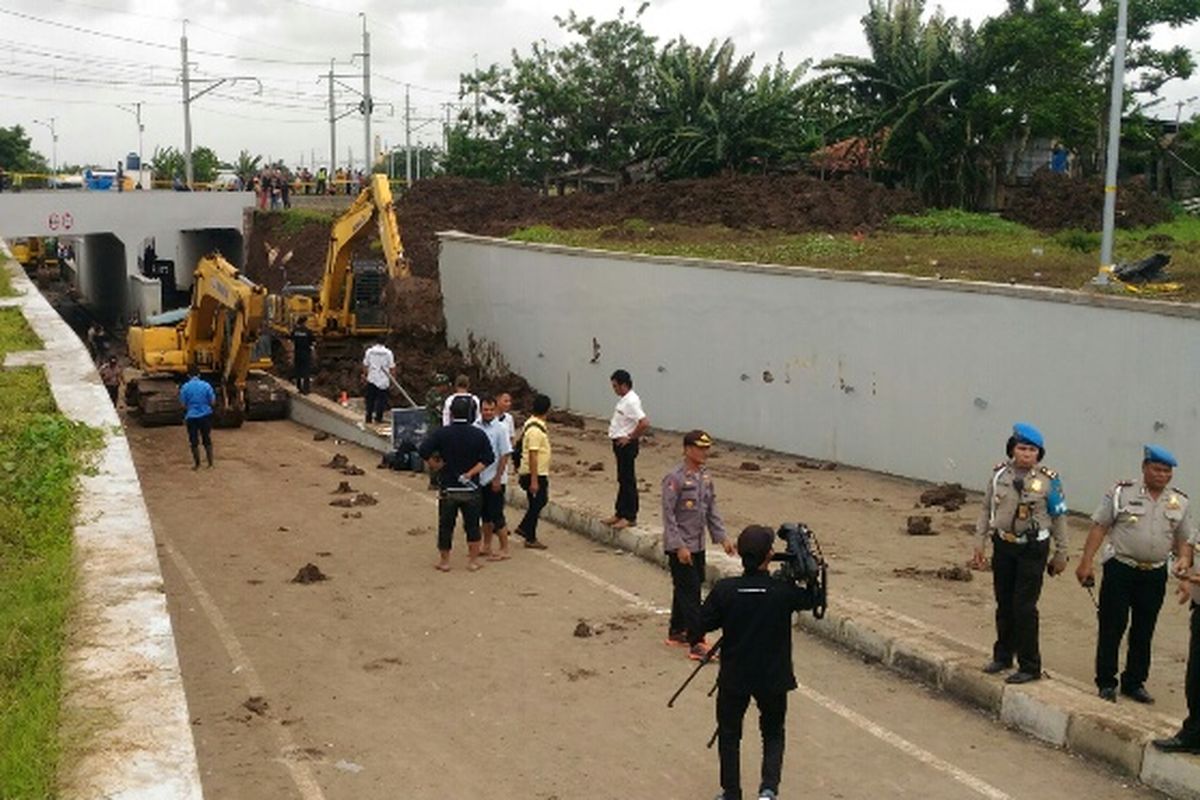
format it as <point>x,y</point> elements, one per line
<point>1114,147</point>
<point>53,149</point>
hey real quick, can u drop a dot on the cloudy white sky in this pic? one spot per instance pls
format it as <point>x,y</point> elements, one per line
<point>80,61</point>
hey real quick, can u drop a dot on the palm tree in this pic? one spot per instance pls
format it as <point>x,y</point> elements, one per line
<point>246,167</point>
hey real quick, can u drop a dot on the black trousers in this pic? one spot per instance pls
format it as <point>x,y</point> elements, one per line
<point>529,522</point>
<point>450,505</point>
<point>627,493</point>
<point>1127,593</point>
<point>1017,574</point>
<point>377,400</point>
<point>685,600</point>
<point>199,429</point>
<point>731,710</point>
<point>303,376</point>
<point>1190,732</point>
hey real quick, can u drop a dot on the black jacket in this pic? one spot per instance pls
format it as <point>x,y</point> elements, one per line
<point>461,446</point>
<point>754,612</point>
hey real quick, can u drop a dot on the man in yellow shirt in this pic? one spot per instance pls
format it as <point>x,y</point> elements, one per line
<point>534,472</point>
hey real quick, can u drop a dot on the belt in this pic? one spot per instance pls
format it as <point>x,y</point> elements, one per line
<point>1142,565</point>
<point>1012,538</point>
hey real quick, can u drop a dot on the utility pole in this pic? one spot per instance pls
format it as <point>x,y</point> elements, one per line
<point>187,109</point>
<point>408,171</point>
<point>53,148</point>
<point>332,126</point>
<point>475,119</point>
<point>1114,147</point>
<point>137,113</point>
<point>368,104</point>
<point>446,130</point>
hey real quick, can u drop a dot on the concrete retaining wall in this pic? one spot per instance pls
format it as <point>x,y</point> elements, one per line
<point>909,376</point>
<point>127,728</point>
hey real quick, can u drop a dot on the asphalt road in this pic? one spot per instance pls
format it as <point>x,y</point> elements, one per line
<point>392,680</point>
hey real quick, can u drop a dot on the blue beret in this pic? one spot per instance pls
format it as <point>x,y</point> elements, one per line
<point>1158,455</point>
<point>1025,433</point>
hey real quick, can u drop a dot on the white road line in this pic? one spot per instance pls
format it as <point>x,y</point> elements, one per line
<point>301,774</point>
<point>903,745</point>
<point>978,785</point>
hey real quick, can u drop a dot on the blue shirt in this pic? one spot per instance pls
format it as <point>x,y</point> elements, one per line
<point>198,397</point>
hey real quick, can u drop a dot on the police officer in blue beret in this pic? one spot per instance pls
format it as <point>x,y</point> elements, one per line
<point>1136,529</point>
<point>1023,509</point>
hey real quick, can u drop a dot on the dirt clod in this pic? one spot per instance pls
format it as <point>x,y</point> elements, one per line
<point>750,466</point>
<point>583,630</point>
<point>339,461</point>
<point>256,705</point>
<point>955,573</point>
<point>360,499</point>
<point>920,526</point>
<point>320,436</point>
<point>344,488</point>
<point>351,515</point>
<point>597,466</point>
<point>310,573</point>
<point>353,470</point>
<point>816,463</point>
<point>950,496</point>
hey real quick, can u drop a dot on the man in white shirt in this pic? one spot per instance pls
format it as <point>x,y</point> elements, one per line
<point>493,481</point>
<point>629,422</point>
<point>378,371</point>
<point>462,388</point>
<point>504,415</point>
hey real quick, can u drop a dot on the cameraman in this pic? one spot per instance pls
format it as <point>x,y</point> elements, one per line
<point>754,612</point>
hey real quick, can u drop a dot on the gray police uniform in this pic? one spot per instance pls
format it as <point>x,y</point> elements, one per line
<point>1023,510</point>
<point>689,505</point>
<point>1143,532</point>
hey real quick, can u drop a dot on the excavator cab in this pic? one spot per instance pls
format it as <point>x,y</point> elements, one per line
<point>366,301</point>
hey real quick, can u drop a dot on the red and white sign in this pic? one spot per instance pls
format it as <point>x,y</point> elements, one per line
<point>53,222</point>
<point>67,220</point>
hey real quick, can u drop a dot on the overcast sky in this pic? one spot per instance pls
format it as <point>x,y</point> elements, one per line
<point>52,63</point>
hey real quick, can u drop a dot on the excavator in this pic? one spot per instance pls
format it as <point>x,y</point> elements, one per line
<point>347,306</point>
<point>219,335</point>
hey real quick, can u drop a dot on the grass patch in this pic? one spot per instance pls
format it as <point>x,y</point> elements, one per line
<point>41,455</point>
<point>6,287</point>
<point>944,244</point>
<point>15,333</point>
<point>295,220</point>
<point>956,221</point>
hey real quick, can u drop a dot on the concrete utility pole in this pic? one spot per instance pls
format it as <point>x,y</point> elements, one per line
<point>368,105</point>
<point>53,148</point>
<point>1114,146</point>
<point>188,97</point>
<point>137,113</point>
<point>408,172</point>
<point>332,126</point>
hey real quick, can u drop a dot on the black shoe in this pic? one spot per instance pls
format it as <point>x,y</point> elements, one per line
<point>1020,676</point>
<point>994,666</point>
<point>1139,695</point>
<point>1176,745</point>
<point>1108,693</point>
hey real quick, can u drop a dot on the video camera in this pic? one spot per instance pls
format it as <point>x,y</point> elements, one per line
<point>803,564</point>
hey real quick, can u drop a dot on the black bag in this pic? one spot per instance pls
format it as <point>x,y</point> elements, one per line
<point>515,457</point>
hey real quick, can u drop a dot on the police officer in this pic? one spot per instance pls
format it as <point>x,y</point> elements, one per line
<point>1145,524</point>
<point>689,505</point>
<point>754,612</point>
<point>1187,740</point>
<point>435,398</point>
<point>302,355</point>
<point>1023,508</point>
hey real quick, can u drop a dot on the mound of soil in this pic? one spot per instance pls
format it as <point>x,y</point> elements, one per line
<point>1054,202</point>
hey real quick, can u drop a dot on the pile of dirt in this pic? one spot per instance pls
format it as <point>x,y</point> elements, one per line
<point>310,573</point>
<point>950,496</point>
<point>955,573</point>
<point>1053,202</point>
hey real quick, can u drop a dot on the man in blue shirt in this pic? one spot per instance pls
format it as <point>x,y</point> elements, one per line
<point>197,396</point>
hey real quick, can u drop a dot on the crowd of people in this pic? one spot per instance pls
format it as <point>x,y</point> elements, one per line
<point>273,187</point>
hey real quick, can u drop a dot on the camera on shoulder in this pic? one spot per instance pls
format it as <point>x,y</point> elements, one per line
<point>803,564</point>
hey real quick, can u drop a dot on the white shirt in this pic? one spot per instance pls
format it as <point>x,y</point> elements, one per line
<point>379,362</point>
<point>497,434</point>
<point>506,419</point>
<point>446,407</point>
<point>626,415</point>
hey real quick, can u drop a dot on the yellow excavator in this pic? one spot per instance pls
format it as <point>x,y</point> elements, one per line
<point>348,304</point>
<point>219,335</point>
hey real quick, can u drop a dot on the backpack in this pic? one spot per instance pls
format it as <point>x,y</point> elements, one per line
<point>515,457</point>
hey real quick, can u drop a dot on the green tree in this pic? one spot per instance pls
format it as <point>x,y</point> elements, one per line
<point>246,166</point>
<point>17,154</point>
<point>169,163</point>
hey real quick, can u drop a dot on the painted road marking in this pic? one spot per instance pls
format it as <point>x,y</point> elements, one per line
<point>300,772</point>
<point>977,785</point>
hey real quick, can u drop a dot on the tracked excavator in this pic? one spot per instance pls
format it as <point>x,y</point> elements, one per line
<point>348,305</point>
<point>220,335</point>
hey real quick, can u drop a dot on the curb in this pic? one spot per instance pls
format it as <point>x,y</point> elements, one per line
<point>1050,710</point>
<point>125,726</point>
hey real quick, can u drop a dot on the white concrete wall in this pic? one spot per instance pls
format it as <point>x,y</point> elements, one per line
<point>909,376</point>
<point>145,296</point>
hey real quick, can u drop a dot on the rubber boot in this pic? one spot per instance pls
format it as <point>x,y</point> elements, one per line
<point>195,457</point>
<point>207,454</point>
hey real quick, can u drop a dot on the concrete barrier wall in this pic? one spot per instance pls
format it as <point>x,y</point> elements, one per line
<point>910,376</point>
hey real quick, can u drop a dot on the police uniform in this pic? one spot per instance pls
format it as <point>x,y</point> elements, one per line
<point>689,506</point>
<point>1142,533</point>
<point>1023,512</point>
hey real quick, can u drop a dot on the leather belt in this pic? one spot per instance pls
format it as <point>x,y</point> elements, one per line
<point>1012,538</point>
<point>1142,565</point>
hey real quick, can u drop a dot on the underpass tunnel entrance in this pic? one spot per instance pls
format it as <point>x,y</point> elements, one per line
<point>195,244</point>
<point>102,277</point>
